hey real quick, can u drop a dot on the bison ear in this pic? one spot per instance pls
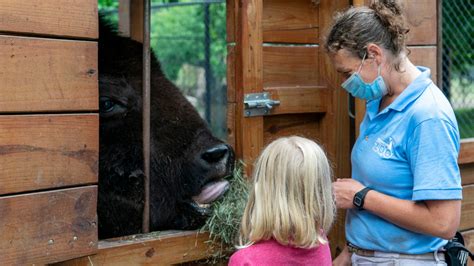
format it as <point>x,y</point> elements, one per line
<point>109,107</point>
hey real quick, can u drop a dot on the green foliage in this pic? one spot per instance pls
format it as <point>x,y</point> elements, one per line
<point>224,223</point>
<point>178,38</point>
<point>107,4</point>
<point>465,118</point>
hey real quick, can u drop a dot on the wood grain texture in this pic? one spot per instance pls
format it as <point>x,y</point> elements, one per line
<point>335,126</point>
<point>66,18</point>
<point>297,22</point>
<point>467,173</point>
<point>231,124</point>
<point>47,151</point>
<point>286,66</point>
<point>231,54</point>
<point>466,154</point>
<point>38,75</point>
<point>249,79</point>
<point>161,248</point>
<point>48,226</point>
<point>232,14</point>
<point>425,56</point>
<point>467,209</point>
<point>295,100</point>
<point>136,20</point>
<point>124,18</point>
<point>304,125</point>
<point>422,19</point>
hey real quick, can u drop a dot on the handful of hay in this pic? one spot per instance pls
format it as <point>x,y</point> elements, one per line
<point>226,214</point>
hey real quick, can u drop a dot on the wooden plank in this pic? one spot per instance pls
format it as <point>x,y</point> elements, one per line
<point>295,23</point>
<point>249,79</point>
<point>136,20</point>
<point>467,173</point>
<point>423,21</point>
<point>466,154</point>
<point>300,100</point>
<point>231,124</point>
<point>124,18</point>
<point>425,56</point>
<point>46,151</point>
<point>231,54</point>
<point>467,209</point>
<point>39,75</point>
<point>287,66</point>
<point>68,18</point>
<point>161,248</point>
<point>305,125</point>
<point>335,124</point>
<point>359,114</point>
<point>232,13</point>
<point>48,226</point>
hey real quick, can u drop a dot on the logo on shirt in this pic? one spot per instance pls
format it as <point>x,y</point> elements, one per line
<point>383,148</point>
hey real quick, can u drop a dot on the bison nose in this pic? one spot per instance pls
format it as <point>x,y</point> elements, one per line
<point>215,154</point>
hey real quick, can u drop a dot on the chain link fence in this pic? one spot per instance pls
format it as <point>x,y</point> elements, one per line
<point>189,39</point>
<point>458,61</point>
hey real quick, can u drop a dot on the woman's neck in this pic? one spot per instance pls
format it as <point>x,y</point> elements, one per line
<point>398,81</point>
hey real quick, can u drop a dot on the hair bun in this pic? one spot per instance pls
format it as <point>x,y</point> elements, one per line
<point>382,6</point>
<point>390,14</point>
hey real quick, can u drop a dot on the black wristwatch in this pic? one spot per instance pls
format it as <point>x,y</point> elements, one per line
<point>359,198</point>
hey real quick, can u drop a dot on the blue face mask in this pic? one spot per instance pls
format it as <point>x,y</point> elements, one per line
<point>368,91</point>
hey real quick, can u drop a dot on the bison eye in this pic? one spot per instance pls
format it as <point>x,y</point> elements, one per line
<point>106,105</point>
<point>109,107</point>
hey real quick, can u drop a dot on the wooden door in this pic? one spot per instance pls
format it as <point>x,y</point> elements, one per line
<point>274,47</point>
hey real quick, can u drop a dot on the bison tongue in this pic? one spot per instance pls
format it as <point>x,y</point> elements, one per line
<point>211,192</point>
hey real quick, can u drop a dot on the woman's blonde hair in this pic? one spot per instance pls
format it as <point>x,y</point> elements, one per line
<point>291,200</point>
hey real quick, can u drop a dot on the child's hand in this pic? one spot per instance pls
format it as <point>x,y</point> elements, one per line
<point>343,259</point>
<point>344,190</point>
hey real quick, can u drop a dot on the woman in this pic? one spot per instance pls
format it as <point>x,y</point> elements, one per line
<point>404,199</point>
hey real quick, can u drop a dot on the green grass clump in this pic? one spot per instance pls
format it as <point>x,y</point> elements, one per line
<point>224,223</point>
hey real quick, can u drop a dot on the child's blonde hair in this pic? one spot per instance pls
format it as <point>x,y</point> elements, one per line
<point>291,200</point>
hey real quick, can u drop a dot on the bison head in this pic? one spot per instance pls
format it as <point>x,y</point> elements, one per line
<point>187,161</point>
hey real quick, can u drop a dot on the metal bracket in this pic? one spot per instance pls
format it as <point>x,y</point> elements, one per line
<point>258,104</point>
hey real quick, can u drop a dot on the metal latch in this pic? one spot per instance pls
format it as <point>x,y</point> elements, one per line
<point>258,104</point>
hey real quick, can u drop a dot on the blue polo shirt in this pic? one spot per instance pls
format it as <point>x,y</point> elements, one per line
<point>409,151</point>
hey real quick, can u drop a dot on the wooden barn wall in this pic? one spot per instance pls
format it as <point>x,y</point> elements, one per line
<point>48,130</point>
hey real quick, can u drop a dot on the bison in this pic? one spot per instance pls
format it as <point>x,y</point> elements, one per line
<point>187,162</point>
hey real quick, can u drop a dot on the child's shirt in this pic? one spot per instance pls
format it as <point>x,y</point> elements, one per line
<point>272,253</point>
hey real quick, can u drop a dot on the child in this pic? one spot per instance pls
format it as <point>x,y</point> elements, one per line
<point>290,207</point>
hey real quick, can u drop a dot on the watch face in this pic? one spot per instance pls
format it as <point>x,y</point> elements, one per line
<point>357,201</point>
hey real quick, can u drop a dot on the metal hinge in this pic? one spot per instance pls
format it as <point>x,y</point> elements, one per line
<point>258,104</point>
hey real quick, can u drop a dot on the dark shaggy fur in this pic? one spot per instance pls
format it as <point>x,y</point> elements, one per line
<point>179,138</point>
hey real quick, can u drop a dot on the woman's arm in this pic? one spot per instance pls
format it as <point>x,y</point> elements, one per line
<point>433,217</point>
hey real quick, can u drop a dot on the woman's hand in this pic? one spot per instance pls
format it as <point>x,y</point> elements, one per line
<point>344,191</point>
<point>343,259</point>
